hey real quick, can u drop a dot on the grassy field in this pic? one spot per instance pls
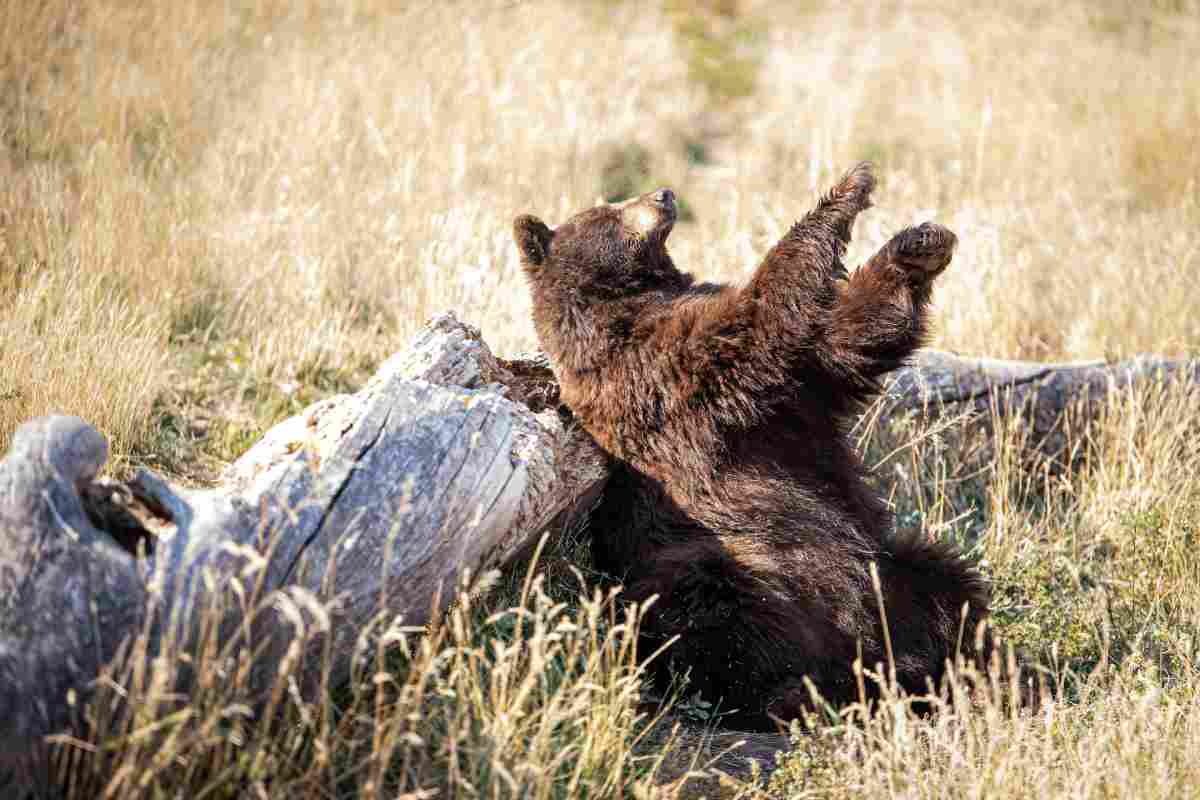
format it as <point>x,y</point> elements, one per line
<point>212,214</point>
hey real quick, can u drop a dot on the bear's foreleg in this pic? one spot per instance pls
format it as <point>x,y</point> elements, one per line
<point>801,268</point>
<point>880,316</point>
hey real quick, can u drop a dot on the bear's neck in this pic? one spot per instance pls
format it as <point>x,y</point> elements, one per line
<point>582,334</point>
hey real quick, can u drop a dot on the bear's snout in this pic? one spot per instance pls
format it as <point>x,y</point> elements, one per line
<point>653,213</point>
<point>664,198</point>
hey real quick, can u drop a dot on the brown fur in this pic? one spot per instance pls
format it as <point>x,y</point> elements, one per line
<point>737,497</point>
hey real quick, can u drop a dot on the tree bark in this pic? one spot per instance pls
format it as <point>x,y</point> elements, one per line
<point>448,460</point>
<point>1042,397</point>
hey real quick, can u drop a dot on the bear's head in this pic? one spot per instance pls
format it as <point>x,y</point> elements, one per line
<point>591,277</point>
<point>609,252</point>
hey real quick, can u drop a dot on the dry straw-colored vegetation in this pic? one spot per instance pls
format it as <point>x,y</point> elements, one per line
<point>213,213</point>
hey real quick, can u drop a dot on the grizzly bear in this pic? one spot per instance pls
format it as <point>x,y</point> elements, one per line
<point>736,496</point>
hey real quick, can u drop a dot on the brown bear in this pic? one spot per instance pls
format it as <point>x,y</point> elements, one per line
<point>737,497</point>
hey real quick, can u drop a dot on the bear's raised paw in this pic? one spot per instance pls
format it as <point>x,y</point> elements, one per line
<point>923,251</point>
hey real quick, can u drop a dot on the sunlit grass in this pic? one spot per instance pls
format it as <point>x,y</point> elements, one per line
<point>1095,579</point>
<point>538,700</point>
<point>309,183</point>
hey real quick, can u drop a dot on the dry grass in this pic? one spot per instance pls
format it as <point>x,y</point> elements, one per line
<point>212,214</point>
<point>1095,575</point>
<point>284,193</point>
<point>538,700</point>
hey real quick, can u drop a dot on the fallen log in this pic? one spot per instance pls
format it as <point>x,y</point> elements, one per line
<point>449,459</point>
<point>1043,398</point>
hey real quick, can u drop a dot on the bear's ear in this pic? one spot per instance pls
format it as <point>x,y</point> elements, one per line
<point>533,239</point>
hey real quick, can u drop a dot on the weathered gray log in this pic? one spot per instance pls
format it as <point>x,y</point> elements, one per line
<point>1041,396</point>
<point>449,459</point>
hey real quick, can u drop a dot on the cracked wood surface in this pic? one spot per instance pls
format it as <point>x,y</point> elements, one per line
<point>1043,396</point>
<point>448,459</point>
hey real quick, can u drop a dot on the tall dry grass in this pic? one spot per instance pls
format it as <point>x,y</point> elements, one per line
<point>286,191</point>
<point>213,213</point>
<point>1095,578</point>
<point>540,700</point>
